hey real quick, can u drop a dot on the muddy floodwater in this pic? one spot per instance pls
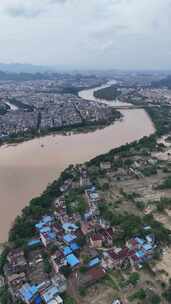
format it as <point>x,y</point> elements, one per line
<point>27,168</point>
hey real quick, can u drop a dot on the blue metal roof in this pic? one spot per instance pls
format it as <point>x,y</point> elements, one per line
<point>39,225</point>
<point>140,254</point>
<point>93,189</point>
<point>69,238</point>
<point>47,219</point>
<point>74,246</point>
<point>71,226</point>
<point>38,300</point>
<point>27,291</point>
<point>45,229</point>
<point>51,236</point>
<point>67,251</point>
<point>139,240</point>
<point>44,221</point>
<point>72,260</point>
<point>50,294</point>
<point>147,247</point>
<point>94,262</point>
<point>33,242</point>
<point>150,238</point>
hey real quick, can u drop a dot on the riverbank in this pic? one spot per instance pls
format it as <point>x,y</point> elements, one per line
<point>28,167</point>
<point>109,174</point>
<point>84,127</point>
<point>23,229</point>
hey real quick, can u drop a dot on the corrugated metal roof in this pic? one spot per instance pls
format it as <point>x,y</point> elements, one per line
<point>72,260</point>
<point>27,291</point>
<point>69,238</point>
<point>67,251</point>
<point>50,294</point>
<point>94,262</point>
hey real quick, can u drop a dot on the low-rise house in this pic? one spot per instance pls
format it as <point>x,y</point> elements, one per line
<point>70,227</point>
<point>87,227</point>
<point>60,282</point>
<point>92,211</point>
<point>67,250</point>
<point>36,273</point>
<point>84,181</point>
<point>119,255</point>
<point>57,300</point>
<point>104,224</point>
<point>142,249</point>
<point>89,214</point>
<point>107,261</point>
<point>74,246</point>
<point>96,240</point>
<point>92,195</point>
<point>58,260</point>
<point>72,260</point>
<point>16,279</point>
<point>50,294</point>
<point>90,253</point>
<point>48,238</point>
<point>60,214</point>
<point>93,262</point>
<point>29,294</point>
<point>150,238</point>
<point>44,227</point>
<point>116,302</point>
<point>66,185</point>
<point>84,178</point>
<point>105,166</point>
<point>15,282</point>
<point>45,221</point>
<point>57,229</point>
<point>34,243</point>
<point>69,238</point>
<point>115,258</point>
<point>43,285</point>
<point>107,236</point>
<point>16,260</point>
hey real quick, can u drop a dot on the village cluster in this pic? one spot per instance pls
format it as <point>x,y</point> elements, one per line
<point>71,251</point>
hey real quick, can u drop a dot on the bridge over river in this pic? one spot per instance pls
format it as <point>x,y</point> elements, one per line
<point>131,107</point>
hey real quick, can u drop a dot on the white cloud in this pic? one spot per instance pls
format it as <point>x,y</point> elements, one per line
<point>94,33</point>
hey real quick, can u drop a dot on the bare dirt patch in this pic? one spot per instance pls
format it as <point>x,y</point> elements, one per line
<point>99,294</point>
<point>164,218</point>
<point>163,266</point>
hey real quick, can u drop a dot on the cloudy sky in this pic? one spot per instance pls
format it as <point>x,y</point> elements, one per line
<point>127,34</point>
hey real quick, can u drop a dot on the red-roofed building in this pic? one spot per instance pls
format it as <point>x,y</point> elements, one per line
<point>96,240</point>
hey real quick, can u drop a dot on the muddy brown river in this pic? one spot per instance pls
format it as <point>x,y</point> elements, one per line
<point>27,168</point>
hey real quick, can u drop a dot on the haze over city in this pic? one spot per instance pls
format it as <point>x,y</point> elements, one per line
<point>96,34</point>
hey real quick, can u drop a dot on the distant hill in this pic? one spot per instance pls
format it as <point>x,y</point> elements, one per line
<point>5,76</point>
<point>23,68</point>
<point>165,82</point>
